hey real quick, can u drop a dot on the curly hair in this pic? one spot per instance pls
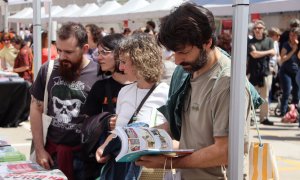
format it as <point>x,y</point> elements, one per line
<point>145,54</point>
<point>74,29</point>
<point>188,24</point>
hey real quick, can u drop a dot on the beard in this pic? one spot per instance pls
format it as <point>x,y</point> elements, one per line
<point>197,64</point>
<point>69,71</point>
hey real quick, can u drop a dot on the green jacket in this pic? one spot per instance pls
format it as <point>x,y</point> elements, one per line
<point>179,85</point>
<point>172,110</point>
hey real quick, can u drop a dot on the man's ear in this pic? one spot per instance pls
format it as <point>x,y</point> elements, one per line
<point>207,45</point>
<point>85,48</point>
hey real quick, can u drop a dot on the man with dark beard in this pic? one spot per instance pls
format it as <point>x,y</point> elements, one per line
<point>198,104</point>
<point>69,84</point>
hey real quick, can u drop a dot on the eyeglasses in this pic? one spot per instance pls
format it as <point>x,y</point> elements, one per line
<point>6,40</point>
<point>102,52</point>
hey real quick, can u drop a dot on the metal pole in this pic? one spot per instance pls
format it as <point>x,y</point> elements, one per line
<point>49,4</point>
<point>37,48</point>
<point>237,90</point>
<point>6,14</point>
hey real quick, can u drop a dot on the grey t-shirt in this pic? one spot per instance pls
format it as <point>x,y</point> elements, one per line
<point>65,101</point>
<point>206,115</point>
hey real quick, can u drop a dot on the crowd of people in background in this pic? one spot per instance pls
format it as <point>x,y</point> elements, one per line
<point>88,59</point>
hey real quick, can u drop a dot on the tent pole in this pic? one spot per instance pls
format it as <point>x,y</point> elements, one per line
<point>237,89</point>
<point>37,48</point>
<point>48,6</point>
<point>6,14</point>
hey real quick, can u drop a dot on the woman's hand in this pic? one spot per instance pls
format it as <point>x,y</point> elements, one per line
<point>112,122</point>
<point>100,150</point>
<point>99,153</point>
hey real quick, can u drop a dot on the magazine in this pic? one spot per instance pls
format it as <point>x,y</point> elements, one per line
<point>139,141</point>
<point>9,153</point>
<point>28,170</point>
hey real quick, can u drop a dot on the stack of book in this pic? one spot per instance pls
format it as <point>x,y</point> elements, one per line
<point>9,153</point>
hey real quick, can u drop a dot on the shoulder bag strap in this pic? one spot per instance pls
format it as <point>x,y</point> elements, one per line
<point>142,103</point>
<point>49,72</point>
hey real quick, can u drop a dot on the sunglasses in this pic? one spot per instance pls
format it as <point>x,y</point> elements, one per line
<point>258,28</point>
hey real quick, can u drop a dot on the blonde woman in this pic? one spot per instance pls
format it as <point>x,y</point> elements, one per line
<point>141,61</point>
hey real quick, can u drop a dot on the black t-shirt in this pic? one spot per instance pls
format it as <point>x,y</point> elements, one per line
<point>290,66</point>
<point>65,101</point>
<point>259,67</point>
<point>97,100</point>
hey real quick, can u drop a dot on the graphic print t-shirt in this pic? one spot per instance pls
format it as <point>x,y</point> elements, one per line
<point>65,101</point>
<point>97,100</point>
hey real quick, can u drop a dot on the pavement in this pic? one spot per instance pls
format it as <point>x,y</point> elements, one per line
<point>285,141</point>
<point>284,138</point>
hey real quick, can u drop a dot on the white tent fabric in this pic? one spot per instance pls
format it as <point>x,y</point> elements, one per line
<point>85,11</point>
<point>106,8</point>
<point>67,11</point>
<point>28,16</point>
<point>121,13</point>
<point>24,12</point>
<point>13,2</point>
<point>275,6</point>
<point>203,2</point>
<point>266,6</point>
<point>130,6</point>
<point>156,9</point>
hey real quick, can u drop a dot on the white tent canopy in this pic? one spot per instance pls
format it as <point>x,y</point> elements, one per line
<point>106,8</point>
<point>85,11</point>
<point>156,9</point>
<point>266,6</point>
<point>121,13</point>
<point>24,12</point>
<point>275,6</point>
<point>27,16</point>
<point>67,11</point>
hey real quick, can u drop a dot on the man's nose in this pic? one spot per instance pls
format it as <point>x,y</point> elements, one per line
<point>121,67</point>
<point>178,59</point>
<point>62,55</point>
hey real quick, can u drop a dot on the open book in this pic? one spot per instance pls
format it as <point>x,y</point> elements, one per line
<point>139,141</point>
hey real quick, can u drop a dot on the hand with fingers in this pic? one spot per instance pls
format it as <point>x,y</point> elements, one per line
<point>44,159</point>
<point>99,153</point>
<point>112,122</point>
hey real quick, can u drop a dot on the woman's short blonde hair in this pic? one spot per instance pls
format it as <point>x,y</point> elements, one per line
<point>144,53</point>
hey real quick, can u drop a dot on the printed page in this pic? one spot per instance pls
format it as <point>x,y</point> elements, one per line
<point>38,175</point>
<point>19,167</point>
